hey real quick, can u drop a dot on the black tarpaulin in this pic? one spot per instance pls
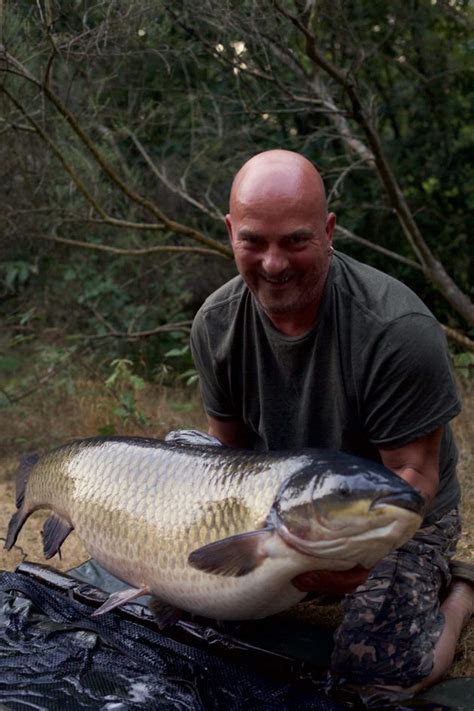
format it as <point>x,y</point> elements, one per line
<point>54,655</point>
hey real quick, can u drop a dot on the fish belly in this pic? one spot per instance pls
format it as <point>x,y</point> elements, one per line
<point>265,591</point>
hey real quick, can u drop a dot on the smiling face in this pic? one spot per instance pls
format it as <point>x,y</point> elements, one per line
<point>281,236</point>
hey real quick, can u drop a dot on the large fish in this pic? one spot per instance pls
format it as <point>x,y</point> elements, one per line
<point>215,531</point>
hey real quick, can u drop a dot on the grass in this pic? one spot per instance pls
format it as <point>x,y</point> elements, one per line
<point>86,407</point>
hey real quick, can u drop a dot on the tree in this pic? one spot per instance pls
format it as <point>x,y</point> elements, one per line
<point>148,109</point>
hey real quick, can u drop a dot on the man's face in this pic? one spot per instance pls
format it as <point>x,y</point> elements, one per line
<point>282,251</point>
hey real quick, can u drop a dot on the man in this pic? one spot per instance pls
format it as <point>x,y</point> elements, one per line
<point>309,348</point>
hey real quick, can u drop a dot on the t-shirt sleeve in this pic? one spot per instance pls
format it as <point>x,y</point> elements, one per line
<point>408,388</point>
<point>215,395</point>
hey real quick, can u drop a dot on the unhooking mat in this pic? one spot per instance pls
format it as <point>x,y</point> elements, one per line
<point>53,655</point>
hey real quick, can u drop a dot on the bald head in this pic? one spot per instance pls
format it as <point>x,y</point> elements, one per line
<point>284,179</point>
<point>281,236</point>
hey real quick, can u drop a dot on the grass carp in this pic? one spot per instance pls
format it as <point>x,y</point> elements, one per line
<point>215,531</point>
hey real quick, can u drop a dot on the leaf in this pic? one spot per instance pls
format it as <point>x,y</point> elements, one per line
<point>462,360</point>
<point>181,406</point>
<point>9,363</point>
<point>137,382</point>
<point>177,352</point>
<point>121,412</point>
<point>107,430</point>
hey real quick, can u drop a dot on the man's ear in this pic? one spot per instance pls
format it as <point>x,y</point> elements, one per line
<point>330,226</point>
<point>228,224</point>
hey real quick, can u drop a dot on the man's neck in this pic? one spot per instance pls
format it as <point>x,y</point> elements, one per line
<point>295,324</point>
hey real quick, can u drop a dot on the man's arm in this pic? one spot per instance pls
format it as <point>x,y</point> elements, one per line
<point>417,462</point>
<point>233,433</point>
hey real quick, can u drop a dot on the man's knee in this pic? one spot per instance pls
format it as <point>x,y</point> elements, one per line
<point>383,660</point>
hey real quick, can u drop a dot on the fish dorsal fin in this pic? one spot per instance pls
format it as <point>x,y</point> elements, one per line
<point>192,437</point>
<point>55,531</point>
<point>233,556</point>
<point>26,465</point>
<point>119,598</point>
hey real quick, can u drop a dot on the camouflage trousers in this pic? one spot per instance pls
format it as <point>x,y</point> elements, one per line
<point>393,621</point>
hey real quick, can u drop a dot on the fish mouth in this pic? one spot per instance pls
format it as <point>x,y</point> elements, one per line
<point>408,500</point>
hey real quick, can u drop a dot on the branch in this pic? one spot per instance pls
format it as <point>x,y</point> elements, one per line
<point>458,338</point>
<point>173,188</point>
<point>127,252</point>
<point>170,225</point>
<point>341,177</point>
<point>126,224</point>
<point>71,172</point>
<point>15,127</point>
<point>50,373</point>
<point>458,16</point>
<point>347,234</point>
<point>432,267</point>
<point>133,335</point>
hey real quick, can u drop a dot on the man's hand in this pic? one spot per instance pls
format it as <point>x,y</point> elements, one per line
<point>233,433</point>
<point>330,582</point>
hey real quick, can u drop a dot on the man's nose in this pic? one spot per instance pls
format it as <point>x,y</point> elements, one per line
<point>274,260</point>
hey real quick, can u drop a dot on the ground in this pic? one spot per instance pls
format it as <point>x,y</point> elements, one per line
<point>42,423</point>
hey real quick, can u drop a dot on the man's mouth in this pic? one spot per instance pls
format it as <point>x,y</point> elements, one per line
<point>276,281</point>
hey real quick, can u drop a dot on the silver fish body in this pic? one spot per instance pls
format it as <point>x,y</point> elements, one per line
<point>216,531</point>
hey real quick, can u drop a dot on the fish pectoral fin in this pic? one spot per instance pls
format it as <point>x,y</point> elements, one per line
<point>233,556</point>
<point>55,531</point>
<point>119,598</point>
<point>165,615</point>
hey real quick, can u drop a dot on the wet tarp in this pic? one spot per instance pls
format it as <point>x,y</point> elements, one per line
<point>54,655</point>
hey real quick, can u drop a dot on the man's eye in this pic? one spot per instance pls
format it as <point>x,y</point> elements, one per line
<point>298,239</point>
<point>249,239</point>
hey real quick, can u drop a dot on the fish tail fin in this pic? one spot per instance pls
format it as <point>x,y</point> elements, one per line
<point>18,519</point>
<point>14,527</point>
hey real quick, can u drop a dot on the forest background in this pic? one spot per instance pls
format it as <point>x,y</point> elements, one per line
<point>122,124</point>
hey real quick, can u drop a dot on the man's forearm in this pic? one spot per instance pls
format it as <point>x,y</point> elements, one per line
<point>417,462</point>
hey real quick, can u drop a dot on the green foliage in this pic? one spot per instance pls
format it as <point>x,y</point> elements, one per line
<point>15,274</point>
<point>464,364</point>
<point>182,369</point>
<point>122,375</point>
<point>201,87</point>
<point>9,363</point>
<point>125,384</point>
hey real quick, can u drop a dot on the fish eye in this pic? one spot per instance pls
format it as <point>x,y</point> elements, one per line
<point>344,490</point>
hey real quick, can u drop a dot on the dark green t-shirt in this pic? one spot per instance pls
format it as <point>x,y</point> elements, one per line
<point>374,371</point>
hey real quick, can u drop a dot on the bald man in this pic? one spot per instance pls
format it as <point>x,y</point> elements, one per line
<point>310,348</point>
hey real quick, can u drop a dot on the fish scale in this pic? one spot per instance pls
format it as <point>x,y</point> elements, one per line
<point>216,531</point>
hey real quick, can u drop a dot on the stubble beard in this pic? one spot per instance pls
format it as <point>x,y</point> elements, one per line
<point>308,296</point>
<point>309,291</point>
